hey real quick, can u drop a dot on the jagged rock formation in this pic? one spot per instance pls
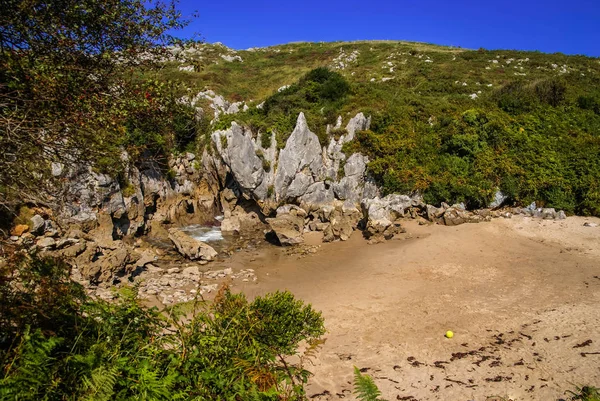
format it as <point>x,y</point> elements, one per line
<point>303,172</point>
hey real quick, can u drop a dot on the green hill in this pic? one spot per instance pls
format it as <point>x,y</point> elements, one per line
<point>453,124</point>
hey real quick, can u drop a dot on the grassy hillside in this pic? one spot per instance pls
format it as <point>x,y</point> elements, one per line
<point>453,124</point>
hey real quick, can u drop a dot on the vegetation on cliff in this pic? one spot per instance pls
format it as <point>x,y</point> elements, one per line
<point>455,125</point>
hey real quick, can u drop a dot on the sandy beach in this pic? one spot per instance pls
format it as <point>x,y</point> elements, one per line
<point>521,296</point>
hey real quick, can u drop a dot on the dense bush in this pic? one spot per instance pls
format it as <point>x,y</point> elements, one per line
<point>56,343</point>
<point>318,94</point>
<point>530,158</point>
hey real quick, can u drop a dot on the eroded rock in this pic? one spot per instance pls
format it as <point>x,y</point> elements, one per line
<point>190,247</point>
<point>288,228</point>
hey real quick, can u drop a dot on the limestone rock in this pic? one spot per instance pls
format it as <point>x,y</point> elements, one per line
<point>191,271</point>
<point>383,229</point>
<point>389,208</point>
<point>455,216</point>
<point>231,225</point>
<point>288,228</point>
<point>434,214</point>
<point>499,199</point>
<point>190,247</point>
<point>238,152</point>
<point>66,242</point>
<point>291,209</point>
<point>37,225</point>
<point>352,185</point>
<point>356,124</point>
<point>302,154</point>
<point>46,243</point>
<point>317,194</point>
<point>57,169</point>
<point>104,265</point>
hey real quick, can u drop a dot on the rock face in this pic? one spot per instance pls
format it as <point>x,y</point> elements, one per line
<point>91,201</point>
<point>190,247</point>
<point>303,172</point>
<point>300,162</point>
<point>240,154</point>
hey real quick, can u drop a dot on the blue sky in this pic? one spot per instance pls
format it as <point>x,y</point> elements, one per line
<point>567,26</point>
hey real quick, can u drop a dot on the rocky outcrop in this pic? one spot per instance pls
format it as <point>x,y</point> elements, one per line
<point>91,201</point>
<point>300,163</point>
<point>288,226</point>
<point>303,172</point>
<point>381,215</point>
<point>190,247</point>
<point>322,190</point>
<point>239,153</point>
<point>351,186</point>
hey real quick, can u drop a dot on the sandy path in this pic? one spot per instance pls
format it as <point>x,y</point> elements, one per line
<point>519,295</point>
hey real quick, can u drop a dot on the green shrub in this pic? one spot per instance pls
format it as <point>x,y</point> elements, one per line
<point>585,393</point>
<point>24,216</point>
<point>318,94</point>
<point>551,91</point>
<point>57,343</point>
<point>589,103</point>
<point>515,98</point>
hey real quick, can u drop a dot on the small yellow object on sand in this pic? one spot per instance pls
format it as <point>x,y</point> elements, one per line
<point>449,334</point>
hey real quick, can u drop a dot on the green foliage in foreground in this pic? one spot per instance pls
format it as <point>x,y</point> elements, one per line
<point>585,393</point>
<point>365,388</point>
<point>58,344</point>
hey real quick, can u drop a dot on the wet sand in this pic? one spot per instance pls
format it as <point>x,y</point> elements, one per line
<point>521,296</point>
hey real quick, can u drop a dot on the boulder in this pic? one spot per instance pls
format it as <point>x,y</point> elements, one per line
<point>389,208</point>
<point>46,243</point>
<point>231,225</point>
<point>343,219</point>
<point>499,199</point>
<point>379,230</point>
<point>288,228</point>
<point>101,265</point>
<point>190,247</point>
<point>549,214</point>
<point>434,213</point>
<point>37,225</point>
<point>455,216</point>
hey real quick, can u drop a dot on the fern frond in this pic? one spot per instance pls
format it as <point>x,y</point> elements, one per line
<point>100,385</point>
<point>365,388</point>
<point>311,352</point>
